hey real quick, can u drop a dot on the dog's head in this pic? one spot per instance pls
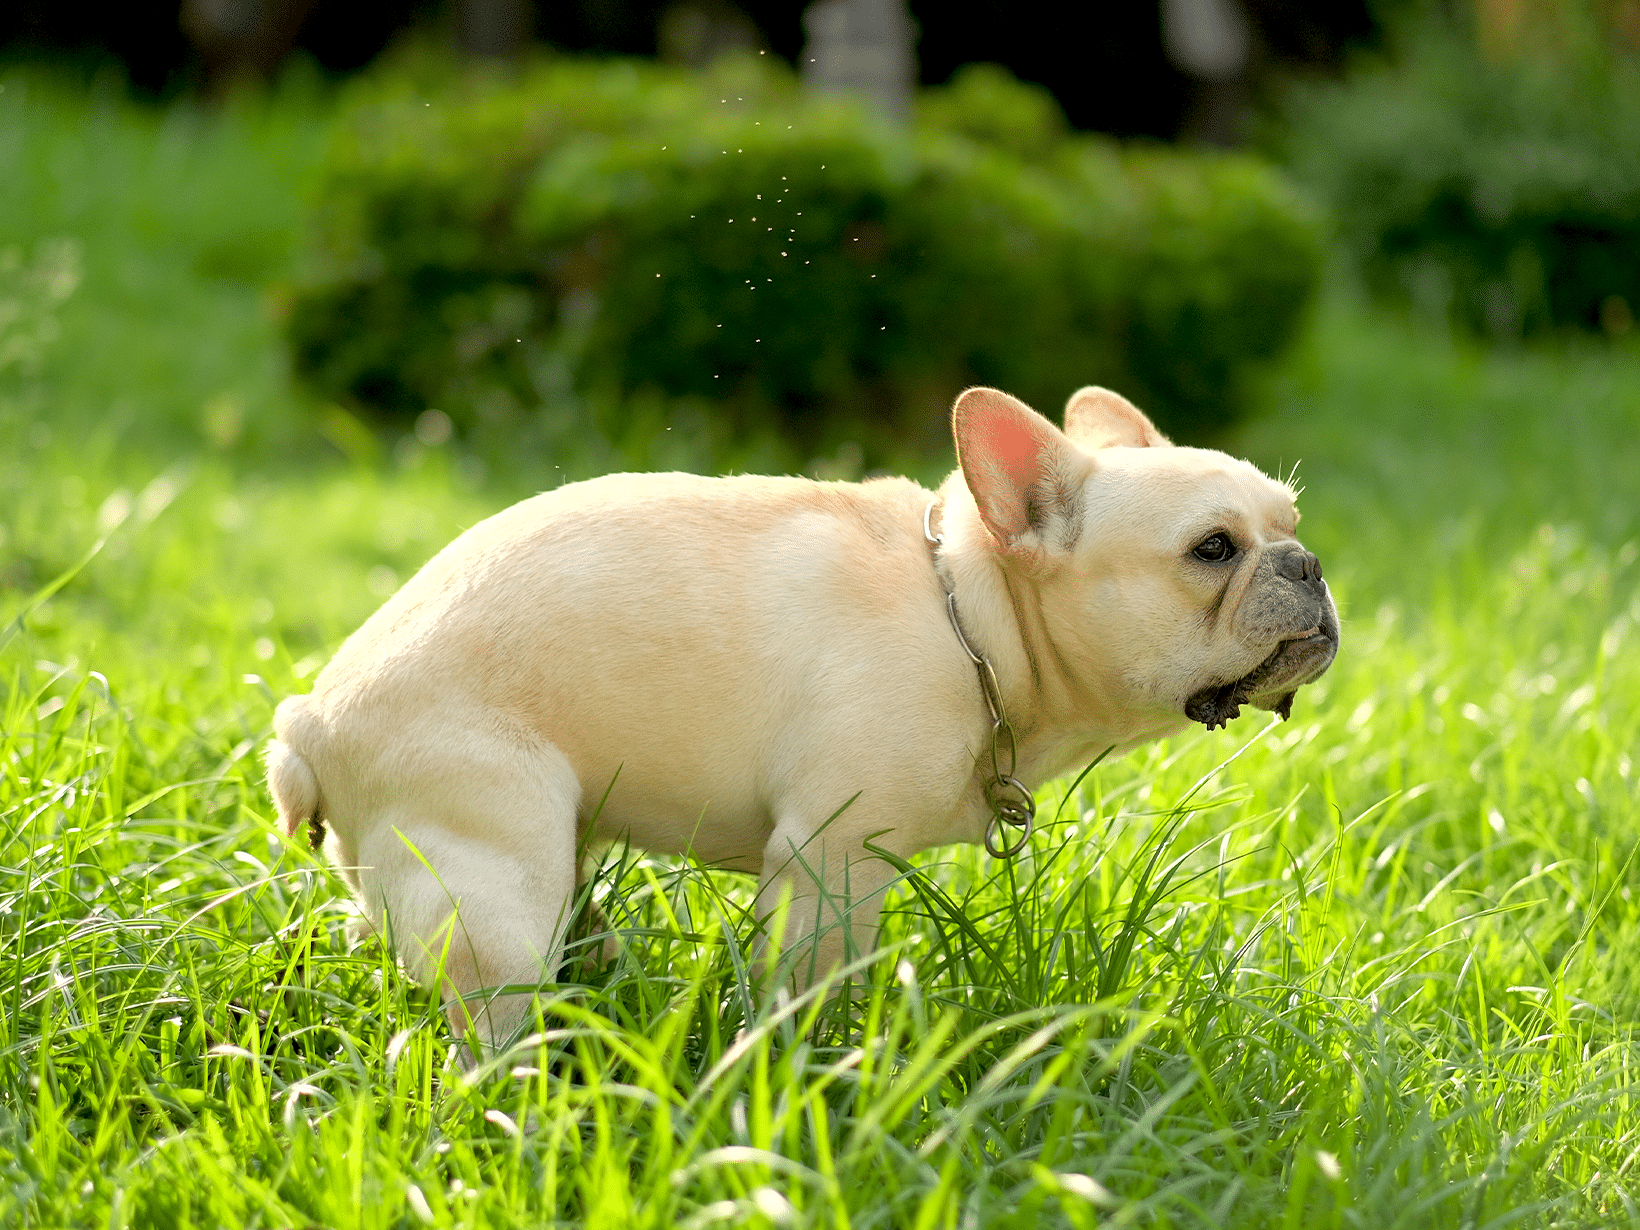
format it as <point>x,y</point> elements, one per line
<point>1161,583</point>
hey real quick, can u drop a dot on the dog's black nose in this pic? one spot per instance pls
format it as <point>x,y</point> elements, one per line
<point>1299,565</point>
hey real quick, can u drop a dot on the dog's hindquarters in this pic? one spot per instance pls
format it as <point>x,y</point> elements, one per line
<point>457,836</point>
<point>468,917</point>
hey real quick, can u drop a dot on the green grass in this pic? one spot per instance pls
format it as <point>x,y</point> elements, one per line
<point>1379,971</point>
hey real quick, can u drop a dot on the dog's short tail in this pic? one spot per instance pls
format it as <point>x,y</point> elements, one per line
<point>290,777</point>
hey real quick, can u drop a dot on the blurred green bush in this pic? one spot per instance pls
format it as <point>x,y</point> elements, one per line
<point>1497,185</point>
<point>623,236</point>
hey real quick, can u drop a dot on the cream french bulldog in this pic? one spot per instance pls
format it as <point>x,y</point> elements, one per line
<point>772,673</point>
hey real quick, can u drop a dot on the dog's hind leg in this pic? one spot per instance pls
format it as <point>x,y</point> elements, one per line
<point>472,880</point>
<point>820,899</point>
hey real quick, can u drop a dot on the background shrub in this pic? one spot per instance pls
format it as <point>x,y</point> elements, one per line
<point>620,237</point>
<point>1498,187</point>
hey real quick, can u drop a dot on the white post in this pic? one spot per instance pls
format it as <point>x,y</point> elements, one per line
<point>866,46</point>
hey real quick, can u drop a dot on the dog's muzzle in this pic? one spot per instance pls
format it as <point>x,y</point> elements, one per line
<point>1299,659</point>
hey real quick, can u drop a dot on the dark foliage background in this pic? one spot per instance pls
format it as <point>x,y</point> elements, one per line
<point>1105,63</point>
<point>1488,175</point>
<point>603,235</point>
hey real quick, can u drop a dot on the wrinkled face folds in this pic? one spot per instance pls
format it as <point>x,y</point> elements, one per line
<point>1193,557</point>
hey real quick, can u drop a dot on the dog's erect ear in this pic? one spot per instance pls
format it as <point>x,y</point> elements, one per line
<point>1026,477</point>
<point>1098,418</point>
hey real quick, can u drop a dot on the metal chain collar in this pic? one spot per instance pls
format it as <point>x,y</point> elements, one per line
<point>1011,802</point>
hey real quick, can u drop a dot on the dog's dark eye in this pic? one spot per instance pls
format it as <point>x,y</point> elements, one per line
<point>1215,550</point>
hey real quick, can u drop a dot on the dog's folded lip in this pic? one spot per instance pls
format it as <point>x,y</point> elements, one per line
<point>1268,685</point>
<point>1268,677</point>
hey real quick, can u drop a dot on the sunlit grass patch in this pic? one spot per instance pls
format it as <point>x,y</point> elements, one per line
<point>1204,1015</point>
